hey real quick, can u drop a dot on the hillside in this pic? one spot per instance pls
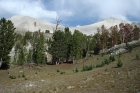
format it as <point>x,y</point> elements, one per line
<point>26,23</point>
<point>63,79</point>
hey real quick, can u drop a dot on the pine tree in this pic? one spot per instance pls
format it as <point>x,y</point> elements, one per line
<point>6,41</point>
<point>68,43</point>
<point>21,57</point>
<point>58,48</point>
<point>38,55</point>
<point>136,33</point>
<point>97,40</point>
<point>104,37</point>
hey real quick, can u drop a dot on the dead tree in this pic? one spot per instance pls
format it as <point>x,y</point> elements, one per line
<point>57,23</point>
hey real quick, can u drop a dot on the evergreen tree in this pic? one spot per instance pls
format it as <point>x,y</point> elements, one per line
<point>38,54</point>
<point>21,57</point>
<point>97,39</point>
<point>114,35</point>
<point>40,49</point>
<point>136,33</point>
<point>68,43</point>
<point>6,41</point>
<point>104,37</point>
<point>29,56</point>
<point>58,48</point>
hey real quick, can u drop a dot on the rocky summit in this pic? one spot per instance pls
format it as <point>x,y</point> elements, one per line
<point>26,23</point>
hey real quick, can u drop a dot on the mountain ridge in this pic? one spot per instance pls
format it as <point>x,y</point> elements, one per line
<point>26,23</point>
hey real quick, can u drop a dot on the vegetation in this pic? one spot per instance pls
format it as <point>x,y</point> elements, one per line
<point>12,76</point>
<point>63,46</point>
<point>66,46</point>
<point>112,58</point>
<point>119,64</point>
<point>35,54</point>
<point>137,56</point>
<point>76,70</point>
<point>87,68</point>
<point>6,41</point>
<point>23,75</point>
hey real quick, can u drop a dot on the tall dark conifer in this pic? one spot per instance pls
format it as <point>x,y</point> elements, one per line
<point>6,41</point>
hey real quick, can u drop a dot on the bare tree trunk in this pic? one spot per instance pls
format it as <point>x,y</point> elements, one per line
<point>0,62</point>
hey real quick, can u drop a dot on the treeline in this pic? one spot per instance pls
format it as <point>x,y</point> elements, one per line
<point>107,38</point>
<point>66,46</point>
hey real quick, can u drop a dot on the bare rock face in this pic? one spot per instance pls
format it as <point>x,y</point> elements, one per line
<point>92,29</point>
<point>25,23</point>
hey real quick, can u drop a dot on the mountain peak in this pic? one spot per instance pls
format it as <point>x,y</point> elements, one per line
<point>26,23</point>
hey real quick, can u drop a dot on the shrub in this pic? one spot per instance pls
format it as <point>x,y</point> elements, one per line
<point>57,70</point>
<point>25,78</point>
<point>76,70</point>
<point>23,75</point>
<point>62,72</point>
<point>107,61</point>
<point>102,54</point>
<point>137,56</point>
<point>98,65</point>
<point>19,76</point>
<point>12,76</point>
<point>87,68</point>
<point>35,72</point>
<point>119,64</point>
<point>112,58</point>
<point>129,47</point>
<point>102,64</point>
<point>120,54</point>
<point>90,67</point>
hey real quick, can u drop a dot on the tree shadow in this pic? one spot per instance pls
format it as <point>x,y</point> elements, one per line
<point>4,66</point>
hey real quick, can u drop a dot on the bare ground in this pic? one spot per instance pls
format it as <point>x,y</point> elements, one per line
<point>46,79</point>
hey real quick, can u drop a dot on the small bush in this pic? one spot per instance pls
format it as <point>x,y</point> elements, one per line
<point>102,64</point>
<point>112,58</point>
<point>23,75</point>
<point>25,78</point>
<point>12,76</point>
<point>19,76</point>
<point>76,70</point>
<point>35,72</point>
<point>98,65</point>
<point>57,70</point>
<point>129,47</point>
<point>120,54</point>
<point>106,61</point>
<point>119,64</point>
<point>62,72</point>
<point>102,54</point>
<point>87,68</point>
<point>137,56</point>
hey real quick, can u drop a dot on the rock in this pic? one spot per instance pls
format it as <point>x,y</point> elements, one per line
<point>70,87</point>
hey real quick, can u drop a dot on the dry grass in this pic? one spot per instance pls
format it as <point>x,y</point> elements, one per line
<point>107,79</point>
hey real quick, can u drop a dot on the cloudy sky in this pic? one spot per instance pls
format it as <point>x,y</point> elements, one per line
<point>72,12</point>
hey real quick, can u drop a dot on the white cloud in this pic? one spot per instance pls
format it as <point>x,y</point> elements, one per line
<point>71,12</point>
<point>33,8</point>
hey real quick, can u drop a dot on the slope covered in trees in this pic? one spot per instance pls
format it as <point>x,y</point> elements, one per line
<point>64,46</point>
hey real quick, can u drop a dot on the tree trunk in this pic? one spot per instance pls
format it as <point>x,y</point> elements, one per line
<point>0,62</point>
